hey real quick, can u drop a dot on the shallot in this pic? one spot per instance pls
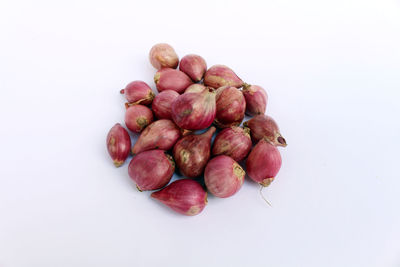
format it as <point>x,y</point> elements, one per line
<point>256,99</point>
<point>231,107</point>
<point>162,104</point>
<point>223,176</point>
<point>161,134</point>
<point>118,144</point>
<point>151,170</point>
<point>263,126</point>
<point>138,92</point>
<point>137,117</point>
<point>192,153</point>
<point>194,111</point>
<point>234,142</point>
<point>194,66</point>
<point>184,196</point>
<point>163,56</point>
<point>221,75</point>
<point>170,79</point>
<point>263,163</point>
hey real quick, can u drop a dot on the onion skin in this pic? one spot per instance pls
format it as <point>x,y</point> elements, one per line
<point>263,163</point>
<point>194,111</point>
<point>161,134</point>
<point>195,88</point>
<point>118,144</point>
<point>263,126</point>
<point>256,99</point>
<point>137,117</point>
<point>194,66</point>
<point>234,142</point>
<point>220,75</point>
<point>223,176</point>
<point>151,170</point>
<point>170,79</point>
<point>184,196</point>
<point>231,106</point>
<point>163,56</point>
<point>192,153</point>
<point>138,92</point>
<point>162,104</point>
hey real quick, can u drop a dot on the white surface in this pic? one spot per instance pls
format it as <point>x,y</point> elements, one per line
<point>332,72</point>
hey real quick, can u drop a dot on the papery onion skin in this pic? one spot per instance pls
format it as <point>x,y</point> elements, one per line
<point>231,106</point>
<point>151,169</point>
<point>263,126</point>
<point>163,56</point>
<point>118,144</point>
<point>138,117</point>
<point>192,152</point>
<point>161,134</point>
<point>184,196</point>
<point>221,75</point>
<point>171,79</point>
<point>234,142</point>
<point>194,66</point>
<point>256,99</point>
<point>194,111</point>
<point>162,104</point>
<point>263,163</point>
<point>138,92</point>
<point>223,176</point>
<point>195,88</point>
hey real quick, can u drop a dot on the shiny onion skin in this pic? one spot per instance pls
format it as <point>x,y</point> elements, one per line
<point>170,79</point>
<point>192,152</point>
<point>162,104</point>
<point>221,75</point>
<point>223,176</point>
<point>161,134</point>
<point>194,66</point>
<point>118,144</point>
<point>194,111</point>
<point>256,99</point>
<point>231,106</point>
<point>263,163</point>
<point>137,117</point>
<point>184,196</point>
<point>138,92</point>
<point>151,169</point>
<point>163,56</point>
<point>234,142</point>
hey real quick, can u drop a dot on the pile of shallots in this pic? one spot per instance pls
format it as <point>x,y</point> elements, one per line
<point>190,99</point>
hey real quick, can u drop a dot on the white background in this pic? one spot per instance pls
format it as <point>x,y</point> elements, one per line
<point>332,72</point>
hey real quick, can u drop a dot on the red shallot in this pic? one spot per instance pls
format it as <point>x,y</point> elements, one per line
<point>223,176</point>
<point>184,196</point>
<point>151,170</point>
<point>118,144</point>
